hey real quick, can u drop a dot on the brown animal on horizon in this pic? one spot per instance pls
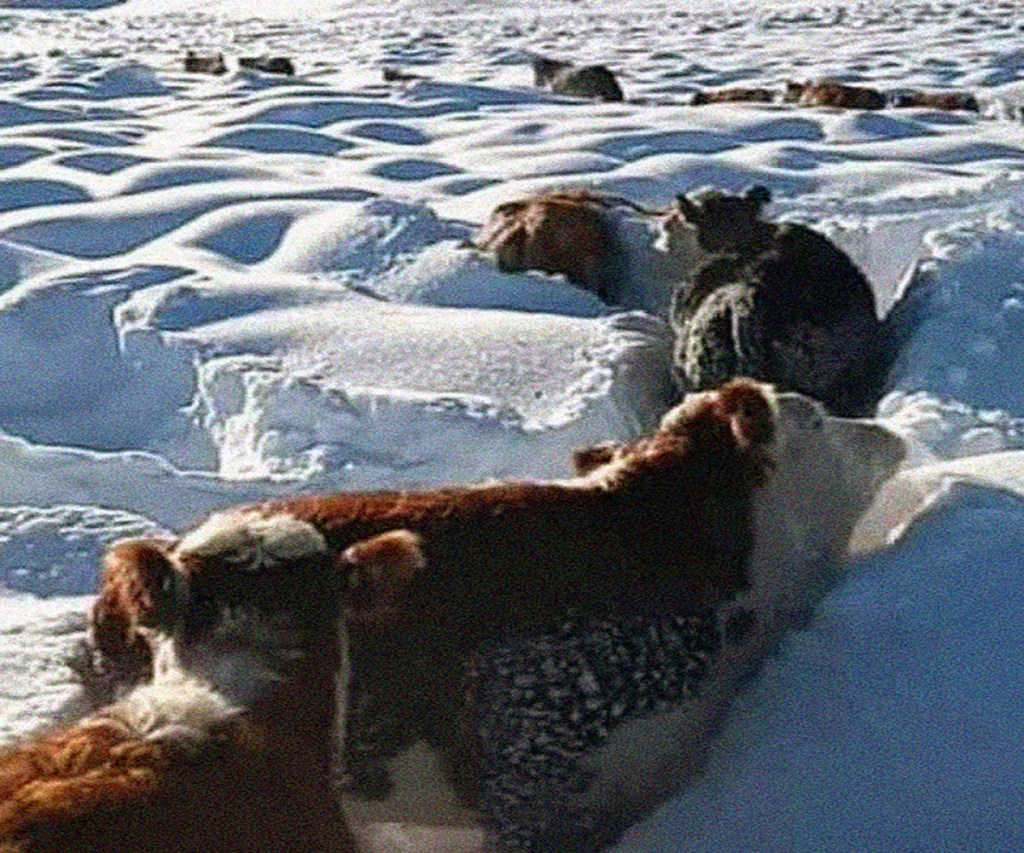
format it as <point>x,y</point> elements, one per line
<point>736,94</point>
<point>268,64</point>
<point>576,81</point>
<point>392,74</point>
<point>566,232</point>
<point>949,101</point>
<point>829,93</point>
<point>196,63</point>
<point>229,748</point>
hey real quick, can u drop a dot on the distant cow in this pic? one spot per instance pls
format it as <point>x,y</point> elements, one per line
<point>779,302</point>
<point>392,74</point>
<point>733,95</point>
<point>533,623</point>
<point>619,250</point>
<point>829,93</point>
<point>229,748</point>
<point>211,63</point>
<point>565,232</point>
<point>577,81</point>
<point>268,64</point>
<point>936,100</point>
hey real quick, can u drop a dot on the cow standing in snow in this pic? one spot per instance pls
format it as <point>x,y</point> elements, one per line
<point>778,302</point>
<point>701,542</point>
<point>576,81</point>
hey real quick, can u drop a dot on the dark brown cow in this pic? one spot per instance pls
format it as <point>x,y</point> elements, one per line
<point>268,64</point>
<point>733,95</point>
<point>212,63</point>
<point>576,81</point>
<point>948,101</point>
<point>565,232</point>
<point>779,302</point>
<point>829,93</point>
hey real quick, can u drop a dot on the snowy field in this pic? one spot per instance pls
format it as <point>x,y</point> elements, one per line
<point>219,288</point>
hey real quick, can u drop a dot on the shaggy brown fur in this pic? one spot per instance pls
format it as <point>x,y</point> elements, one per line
<point>196,63</point>
<point>937,100</point>
<point>828,93</point>
<point>133,573</point>
<point>733,95</point>
<point>558,232</point>
<point>776,301</point>
<point>101,786</point>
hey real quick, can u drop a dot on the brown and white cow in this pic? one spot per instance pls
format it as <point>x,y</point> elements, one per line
<point>228,747</point>
<point>830,93</point>
<point>732,95</point>
<point>621,251</point>
<point>734,503</point>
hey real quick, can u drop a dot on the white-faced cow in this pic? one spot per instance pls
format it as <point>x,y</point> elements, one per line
<point>670,563</point>
<point>228,745</point>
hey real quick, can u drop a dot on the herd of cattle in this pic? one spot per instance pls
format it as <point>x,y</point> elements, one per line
<point>598,82</point>
<point>561,649</point>
<point>749,297</point>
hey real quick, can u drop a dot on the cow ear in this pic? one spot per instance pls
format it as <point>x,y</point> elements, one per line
<point>381,569</point>
<point>758,196</point>
<point>586,459</point>
<point>687,209</point>
<point>138,588</point>
<point>746,407</point>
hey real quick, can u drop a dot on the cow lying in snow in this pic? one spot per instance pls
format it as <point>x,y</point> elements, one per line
<point>948,101</point>
<point>576,81</point>
<point>718,507</point>
<point>211,63</point>
<point>732,95</point>
<point>268,64</point>
<point>829,93</point>
<point>615,248</point>
<point>778,302</point>
<point>563,232</point>
<point>229,747</point>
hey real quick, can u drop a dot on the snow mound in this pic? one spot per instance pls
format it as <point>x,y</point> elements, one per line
<point>892,722</point>
<point>384,392</point>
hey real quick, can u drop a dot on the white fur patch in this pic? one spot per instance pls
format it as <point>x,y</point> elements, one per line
<point>177,710</point>
<point>251,540</point>
<point>678,239</point>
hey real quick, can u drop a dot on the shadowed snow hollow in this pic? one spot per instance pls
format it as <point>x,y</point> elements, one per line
<point>383,392</point>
